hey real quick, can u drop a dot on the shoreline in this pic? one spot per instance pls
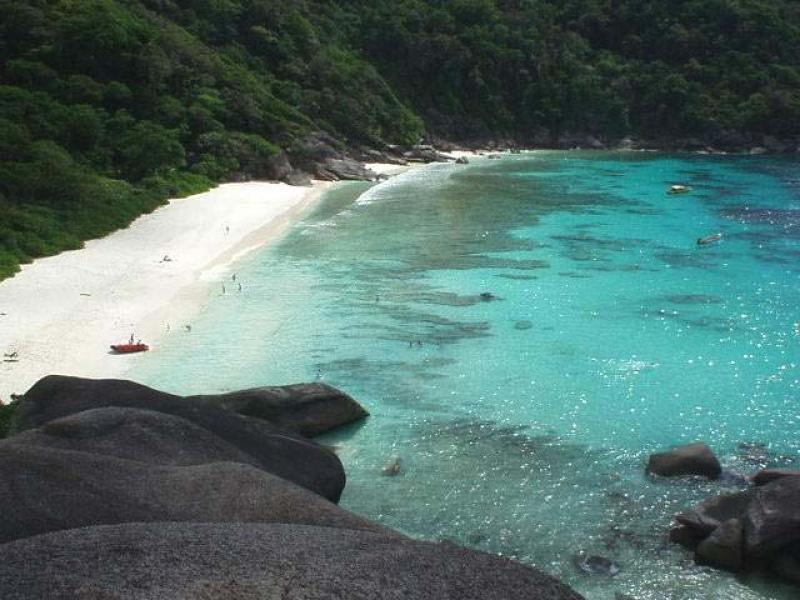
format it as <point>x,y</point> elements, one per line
<point>61,313</point>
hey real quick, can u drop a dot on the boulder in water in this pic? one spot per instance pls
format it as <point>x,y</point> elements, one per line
<point>596,565</point>
<point>691,459</point>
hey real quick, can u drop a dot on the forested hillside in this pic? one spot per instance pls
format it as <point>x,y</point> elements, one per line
<point>107,107</point>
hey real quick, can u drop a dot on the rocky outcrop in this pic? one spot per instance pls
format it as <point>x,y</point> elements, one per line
<point>756,528</point>
<point>46,489</point>
<point>691,459</point>
<point>239,561</point>
<point>335,169</point>
<point>150,495</point>
<point>307,408</point>
<point>278,451</point>
<point>326,158</point>
<point>278,167</point>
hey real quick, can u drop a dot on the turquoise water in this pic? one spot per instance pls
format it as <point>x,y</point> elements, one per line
<point>523,422</point>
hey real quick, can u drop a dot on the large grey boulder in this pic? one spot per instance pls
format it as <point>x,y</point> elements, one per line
<point>691,459</point>
<point>772,520</point>
<point>45,489</point>
<point>165,561</point>
<point>278,451</point>
<point>278,167</point>
<point>142,435</point>
<point>306,408</point>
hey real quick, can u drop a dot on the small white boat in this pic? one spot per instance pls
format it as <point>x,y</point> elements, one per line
<point>679,189</point>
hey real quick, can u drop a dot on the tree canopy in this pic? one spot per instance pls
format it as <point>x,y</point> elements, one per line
<point>107,107</point>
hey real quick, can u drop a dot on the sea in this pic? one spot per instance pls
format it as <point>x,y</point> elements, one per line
<point>524,332</point>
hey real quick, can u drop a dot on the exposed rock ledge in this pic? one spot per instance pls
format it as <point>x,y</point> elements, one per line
<point>113,489</point>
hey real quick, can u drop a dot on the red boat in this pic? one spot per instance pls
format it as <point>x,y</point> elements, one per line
<point>129,348</point>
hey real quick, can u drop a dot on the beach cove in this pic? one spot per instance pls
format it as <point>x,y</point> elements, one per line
<point>524,332</point>
<point>521,420</point>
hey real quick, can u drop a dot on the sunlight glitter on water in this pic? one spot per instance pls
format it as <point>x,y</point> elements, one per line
<point>523,419</point>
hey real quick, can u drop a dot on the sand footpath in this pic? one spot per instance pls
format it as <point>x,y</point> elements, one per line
<point>61,313</point>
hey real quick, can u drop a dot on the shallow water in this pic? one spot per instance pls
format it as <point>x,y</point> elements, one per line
<point>523,420</point>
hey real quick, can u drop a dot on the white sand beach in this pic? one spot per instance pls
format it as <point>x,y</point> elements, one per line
<point>61,313</point>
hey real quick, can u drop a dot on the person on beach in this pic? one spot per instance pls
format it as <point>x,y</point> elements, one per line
<point>233,277</point>
<point>223,288</point>
<point>240,287</point>
<point>130,341</point>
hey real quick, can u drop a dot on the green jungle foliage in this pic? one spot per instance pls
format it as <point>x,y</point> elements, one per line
<point>108,107</point>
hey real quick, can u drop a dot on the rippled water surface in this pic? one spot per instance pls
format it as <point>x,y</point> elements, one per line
<point>522,418</point>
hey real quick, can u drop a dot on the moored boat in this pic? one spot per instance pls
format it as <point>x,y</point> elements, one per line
<point>130,348</point>
<point>679,189</point>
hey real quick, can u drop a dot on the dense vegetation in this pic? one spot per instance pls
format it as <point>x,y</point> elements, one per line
<point>109,106</point>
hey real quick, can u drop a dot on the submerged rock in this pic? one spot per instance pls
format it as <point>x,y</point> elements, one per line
<point>238,561</point>
<point>306,408</point>
<point>596,565</point>
<point>278,451</point>
<point>731,478</point>
<point>393,468</point>
<point>691,459</point>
